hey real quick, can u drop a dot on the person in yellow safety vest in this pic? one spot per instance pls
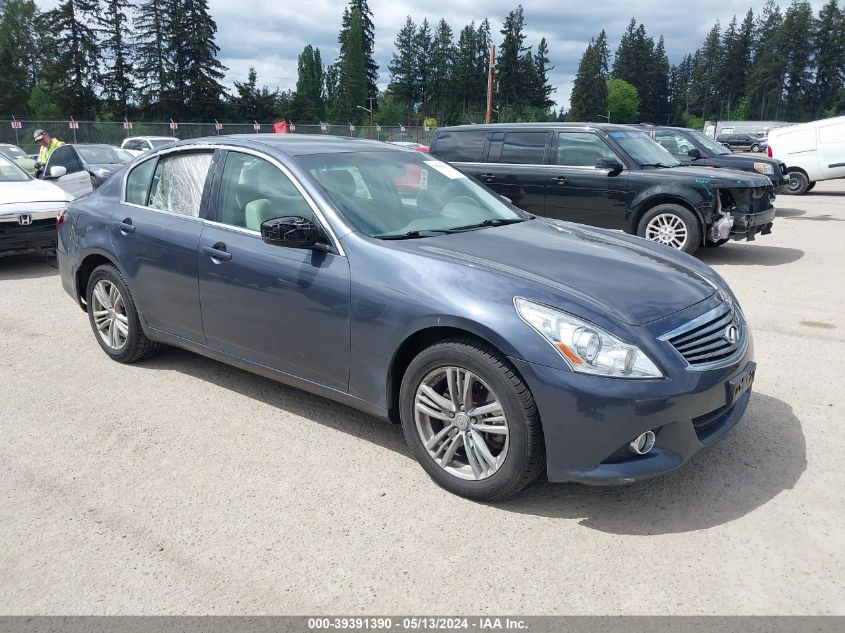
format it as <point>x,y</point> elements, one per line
<point>47,143</point>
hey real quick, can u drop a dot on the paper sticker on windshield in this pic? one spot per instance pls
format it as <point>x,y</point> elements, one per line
<point>446,170</point>
<point>423,179</point>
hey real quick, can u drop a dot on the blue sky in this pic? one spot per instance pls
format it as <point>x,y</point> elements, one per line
<point>269,35</point>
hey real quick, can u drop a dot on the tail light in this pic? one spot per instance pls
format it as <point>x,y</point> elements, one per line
<point>769,151</point>
<point>61,216</point>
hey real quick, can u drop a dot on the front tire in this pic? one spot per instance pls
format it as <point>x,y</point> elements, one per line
<point>114,318</point>
<point>810,187</point>
<point>798,183</point>
<point>471,421</point>
<point>671,225</point>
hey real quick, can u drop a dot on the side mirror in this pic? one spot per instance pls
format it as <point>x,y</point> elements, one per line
<point>612,164</point>
<point>292,231</point>
<point>57,171</point>
<point>694,153</point>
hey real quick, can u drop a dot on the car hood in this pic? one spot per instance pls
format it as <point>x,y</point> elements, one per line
<point>31,191</point>
<point>109,167</point>
<point>723,178</point>
<point>738,162</point>
<point>624,277</point>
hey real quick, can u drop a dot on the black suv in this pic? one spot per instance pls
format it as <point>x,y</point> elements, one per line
<point>692,147</point>
<point>741,141</point>
<point>610,176</point>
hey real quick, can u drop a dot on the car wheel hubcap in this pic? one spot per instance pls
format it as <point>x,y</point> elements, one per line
<point>461,423</point>
<point>109,312</point>
<point>667,228</point>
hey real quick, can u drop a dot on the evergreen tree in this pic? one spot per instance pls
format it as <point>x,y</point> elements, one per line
<point>368,40</point>
<point>829,43</point>
<point>251,103</point>
<point>465,79</point>
<point>152,55</point>
<point>351,87</point>
<point>404,68</point>
<point>422,45</point>
<point>440,75</point>
<point>657,104</point>
<point>736,44</point>
<point>768,68</point>
<point>195,86</point>
<point>18,55</point>
<point>510,68</point>
<point>797,36</point>
<point>543,90</point>
<point>679,90</point>
<point>70,57</point>
<point>117,81</point>
<point>588,101</point>
<point>705,98</point>
<point>310,84</point>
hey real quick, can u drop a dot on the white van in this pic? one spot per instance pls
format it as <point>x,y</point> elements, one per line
<point>812,152</point>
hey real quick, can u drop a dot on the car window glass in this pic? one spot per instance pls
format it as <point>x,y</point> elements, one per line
<point>460,147</point>
<point>64,156</point>
<point>581,149</point>
<point>524,148</point>
<point>9,172</point>
<point>179,181</point>
<point>253,190</point>
<point>674,142</point>
<point>138,183</point>
<point>103,154</point>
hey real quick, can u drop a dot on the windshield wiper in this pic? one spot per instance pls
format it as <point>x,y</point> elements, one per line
<point>412,235</point>
<point>489,222</point>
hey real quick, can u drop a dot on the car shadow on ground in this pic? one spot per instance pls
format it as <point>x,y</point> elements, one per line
<point>789,213</point>
<point>754,254</point>
<point>30,266</point>
<point>765,455</point>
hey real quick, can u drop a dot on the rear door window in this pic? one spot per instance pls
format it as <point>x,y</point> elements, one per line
<point>464,146</point>
<point>138,183</point>
<point>524,148</point>
<point>179,182</point>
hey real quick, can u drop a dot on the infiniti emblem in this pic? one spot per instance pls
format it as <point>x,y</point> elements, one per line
<point>24,219</point>
<point>732,334</point>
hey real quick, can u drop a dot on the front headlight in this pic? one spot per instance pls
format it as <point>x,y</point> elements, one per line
<point>585,347</point>
<point>765,168</point>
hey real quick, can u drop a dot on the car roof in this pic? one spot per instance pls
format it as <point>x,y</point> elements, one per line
<point>550,125</point>
<point>297,144</point>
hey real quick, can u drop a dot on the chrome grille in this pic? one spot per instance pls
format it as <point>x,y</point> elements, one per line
<point>712,339</point>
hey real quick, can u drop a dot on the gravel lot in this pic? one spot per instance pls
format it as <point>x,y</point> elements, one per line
<point>180,485</point>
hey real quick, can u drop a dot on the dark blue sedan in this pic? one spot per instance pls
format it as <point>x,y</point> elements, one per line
<point>505,344</point>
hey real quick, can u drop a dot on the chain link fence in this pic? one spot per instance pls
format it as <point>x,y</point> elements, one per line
<point>20,132</point>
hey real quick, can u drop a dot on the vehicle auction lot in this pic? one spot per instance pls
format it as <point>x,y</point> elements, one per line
<point>180,485</point>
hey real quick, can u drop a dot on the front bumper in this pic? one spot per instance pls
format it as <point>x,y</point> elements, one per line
<point>589,421</point>
<point>746,226</point>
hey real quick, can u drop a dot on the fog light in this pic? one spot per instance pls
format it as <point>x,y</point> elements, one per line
<point>643,444</point>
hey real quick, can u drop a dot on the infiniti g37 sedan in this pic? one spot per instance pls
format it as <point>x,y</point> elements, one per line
<point>505,344</point>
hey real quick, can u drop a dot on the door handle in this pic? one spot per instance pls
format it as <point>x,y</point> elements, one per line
<point>126,226</point>
<point>488,177</point>
<point>559,180</point>
<point>218,252</point>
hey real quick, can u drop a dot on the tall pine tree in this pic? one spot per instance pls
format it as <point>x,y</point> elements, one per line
<point>18,55</point>
<point>153,63</point>
<point>310,85</point>
<point>588,101</point>
<point>829,43</point>
<point>510,69</point>
<point>404,85</point>
<point>368,42</point>
<point>351,87</point>
<point>117,80</point>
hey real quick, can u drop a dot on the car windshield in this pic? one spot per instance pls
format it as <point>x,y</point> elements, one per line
<point>645,151</point>
<point>103,154</point>
<point>10,172</point>
<point>158,142</point>
<point>708,143</point>
<point>12,152</point>
<point>391,194</point>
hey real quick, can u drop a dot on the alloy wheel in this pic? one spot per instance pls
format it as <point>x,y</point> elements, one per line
<point>461,423</point>
<point>109,311</point>
<point>668,229</point>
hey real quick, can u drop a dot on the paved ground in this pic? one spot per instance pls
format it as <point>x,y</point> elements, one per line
<point>181,485</point>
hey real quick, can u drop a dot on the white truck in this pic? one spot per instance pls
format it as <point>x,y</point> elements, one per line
<point>811,151</point>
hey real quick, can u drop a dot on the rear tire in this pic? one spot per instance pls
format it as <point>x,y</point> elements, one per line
<point>489,456</point>
<point>798,183</point>
<point>114,318</point>
<point>672,225</point>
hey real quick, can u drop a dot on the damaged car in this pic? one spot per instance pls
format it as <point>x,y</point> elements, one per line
<point>611,176</point>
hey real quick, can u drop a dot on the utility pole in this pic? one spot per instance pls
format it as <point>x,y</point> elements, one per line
<point>488,118</point>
